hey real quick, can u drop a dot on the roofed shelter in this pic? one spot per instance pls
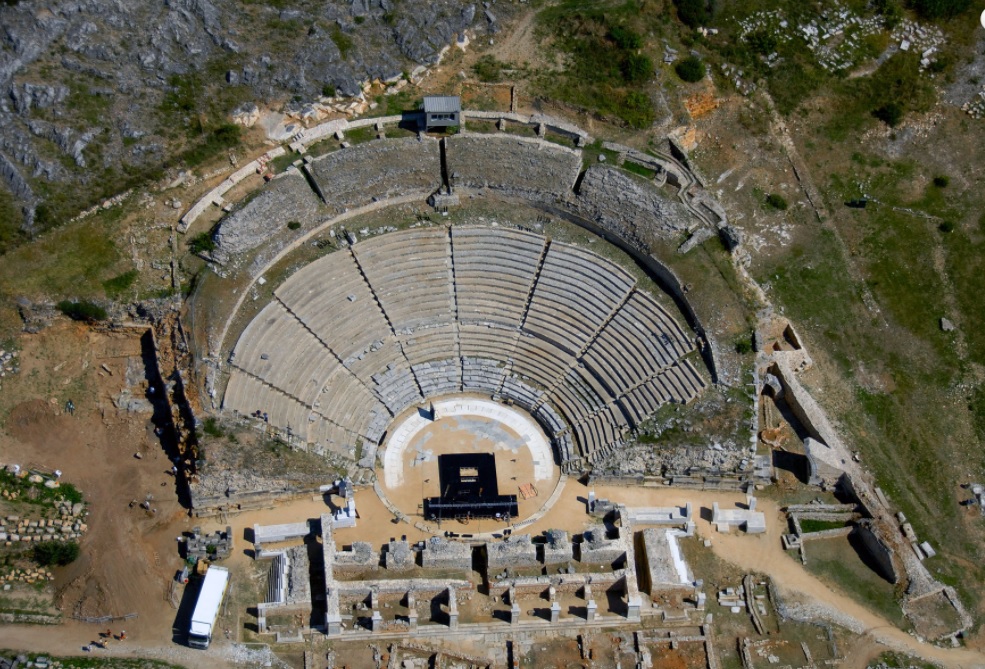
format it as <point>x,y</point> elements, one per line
<point>442,111</point>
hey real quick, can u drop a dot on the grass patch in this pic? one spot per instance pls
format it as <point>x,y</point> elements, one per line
<point>97,663</point>
<point>120,283</point>
<point>222,138</point>
<point>644,172</point>
<point>41,495</point>
<point>606,67</point>
<point>342,41</point>
<point>488,69</point>
<point>836,562</point>
<point>10,222</point>
<point>202,243</point>
<point>211,427</point>
<point>777,201</point>
<point>808,525</point>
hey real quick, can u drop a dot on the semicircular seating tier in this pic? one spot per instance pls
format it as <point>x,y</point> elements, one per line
<point>362,334</point>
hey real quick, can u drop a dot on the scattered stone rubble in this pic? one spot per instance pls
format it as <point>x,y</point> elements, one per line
<point>9,364</point>
<point>68,526</point>
<point>214,546</point>
<point>836,37</point>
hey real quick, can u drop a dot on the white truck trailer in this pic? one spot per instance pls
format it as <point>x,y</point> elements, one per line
<point>207,608</point>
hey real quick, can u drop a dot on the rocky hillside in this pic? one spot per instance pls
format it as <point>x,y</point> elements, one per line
<point>98,94</point>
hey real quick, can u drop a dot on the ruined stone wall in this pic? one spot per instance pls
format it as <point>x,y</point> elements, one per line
<point>623,205</point>
<point>286,198</point>
<point>595,548</point>
<point>513,552</point>
<point>879,551</point>
<point>359,558</point>
<point>377,170</point>
<point>443,554</point>
<point>534,168</point>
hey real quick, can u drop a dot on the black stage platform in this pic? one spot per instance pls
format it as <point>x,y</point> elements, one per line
<point>469,489</point>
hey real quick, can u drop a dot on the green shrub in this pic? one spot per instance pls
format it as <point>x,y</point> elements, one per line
<point>940,9</point>
<point>744,345</point>
<point>891,12</point>
<point>694,13</point>
<point>202,243</point>
<point>941,181</point>
<point>637,110</point>
<point>342,41</point>
<point>61,553</point>
<point>691,69</point>
<point>776,201</point>
<point>293,225</point>
<point>762,42</point>
<point>637,68</point>
<point>946,226</point>
<point>211,427</point>
<point>119,284</point>
<point>890,113</point>
<point>626,38</point>
<point>488,69</point>
<point>83,310</point>
<point>328,91</point>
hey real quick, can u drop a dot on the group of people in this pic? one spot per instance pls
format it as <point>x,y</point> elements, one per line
<point>104,639</point>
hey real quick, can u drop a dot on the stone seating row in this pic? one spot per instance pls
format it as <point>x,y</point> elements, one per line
<point>426,344</point>
<point>482,375</point>
<point>494,273</point>
<point>410,273</point>
<point>333,300</point>
<point>334,438</point>
<point>397,387</point>
<point>678,383</point>
<point>346,401</point>
<point>573,298</point>
<point>512,164</point>
<point>276,348</point>
<point>442,377</point>
<point>483,341</point>
<point>246,394</point>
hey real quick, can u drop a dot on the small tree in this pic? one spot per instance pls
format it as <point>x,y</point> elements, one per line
<point>83,310</point>
<point>941,181</point>
<point>691,69</point>
<point>776,201</point>
<point>693,13</point>
<point>61,553</point>
<point>202,243</point>
<point>940,9</point>
<point>637,68</point>
<point>891,114</point>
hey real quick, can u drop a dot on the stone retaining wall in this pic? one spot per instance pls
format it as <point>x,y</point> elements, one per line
<point>623,205</point>
<point>287,198</point>
<point>377,170</point>
<point>534,168</point>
